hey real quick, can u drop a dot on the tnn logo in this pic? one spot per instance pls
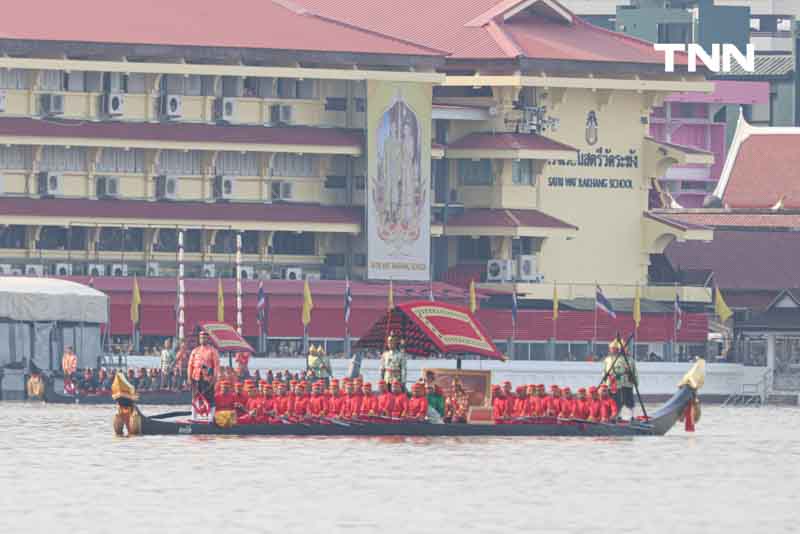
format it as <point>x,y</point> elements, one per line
<point>718,61</point>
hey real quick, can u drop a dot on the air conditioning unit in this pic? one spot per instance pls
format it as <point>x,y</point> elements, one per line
<point>17,272</point>
<point>166,187</point>
<point>225,109</point>
<point>172,106</point>
<point>119,269</point>
<point>293,273</point>
<point>52,104</point>
<point>527,267</point>
<point>48,184</point>
<point>500,270</point>
<point>153,268</point>
<point>223,187</point>
<point>5,269</point>
<point>247,272</point>
<point>114,104</point>
<point>96,269</point>
<point>107,187</point>
<point>209,270</point>
<point>34,270</point>
<point>3,101</point>
<point>63,269</point>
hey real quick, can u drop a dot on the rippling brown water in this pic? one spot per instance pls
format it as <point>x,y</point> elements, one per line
<point>62,470</point>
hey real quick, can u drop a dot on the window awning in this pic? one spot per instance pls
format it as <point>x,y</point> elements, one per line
<point>487,145</point>
<point>656,151</point>
<point>503,222</point>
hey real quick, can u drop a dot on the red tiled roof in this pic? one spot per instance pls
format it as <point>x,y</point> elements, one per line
<point>742,259</point>
<point>183,132</point>
<point>263,24</point>
<point>506,218</point>
<point>738,219</point>
<point>673,221</point>
<point>507,141</point>
<point>682,148</point>
<point>765,169</point>
<point>445,25</point>
<point>200,211</point>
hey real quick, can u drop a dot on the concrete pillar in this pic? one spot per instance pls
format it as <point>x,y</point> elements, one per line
<point>771,352</point>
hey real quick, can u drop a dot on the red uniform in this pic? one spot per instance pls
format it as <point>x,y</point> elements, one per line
<point>335,404</point>
<point>580,409</point>
<point>267,410</point>
<point>567,407</point>
<point>385,404</point>
<point>533,407</point>
<point>318,405</point>
<point>369,405</point>
<point>608,409</point>
<point>225,401</point>
<point>300,406</point>
<point>284,405</point>
<point>354,405</point>
<point>499,408</point>
<point>417,408</point>
<point>399,404</point>
<point>552,406</point>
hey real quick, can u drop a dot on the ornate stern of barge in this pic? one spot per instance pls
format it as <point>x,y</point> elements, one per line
<point>127,417</point>
<point>694,379</point>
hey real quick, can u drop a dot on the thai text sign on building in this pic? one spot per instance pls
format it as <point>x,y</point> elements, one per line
<point>398,190</point>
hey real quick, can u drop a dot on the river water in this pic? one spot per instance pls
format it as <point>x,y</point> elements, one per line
<point>63,471</point>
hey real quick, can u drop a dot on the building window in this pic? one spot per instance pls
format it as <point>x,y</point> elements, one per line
<point>675,33</point>
<point>14,79</point>
<point>697,185</point>
<point>224,242</point>
<point>167,240</point>
<point>522,246</point>
<point>337,173</point>
<point>294,165</point>
<point>294,88</point>
<point>360,104</point>
<point>360,260</point>
<point>471,249</point>
<point>360,183</point>
<point>237,164</point>
<point>12,236</point>
<point>192,240</point>
<point>180,162</point>
<point>15,157</point>
<point>475,172</point>
<point>250,242</point>
<point>60,159</point>
<point>118,160</point>
<point>522,172</point>
<point>334,260</point>
<point>335,103</point>
<point>293,243</point>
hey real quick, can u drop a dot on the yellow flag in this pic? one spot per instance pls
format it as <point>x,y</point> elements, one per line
<point>473,300</point>
<point>220,302</point>
<point>390,303</point>
<point>555,301</point>
<point>136,300</point>
<point>637,308</point>
<point>720,307</point>
<point>308,304</point>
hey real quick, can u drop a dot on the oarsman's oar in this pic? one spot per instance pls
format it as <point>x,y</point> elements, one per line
<point>334,421</point>
<point>169,415</point>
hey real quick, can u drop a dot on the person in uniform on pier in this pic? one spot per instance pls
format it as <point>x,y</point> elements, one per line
<point>203,368</point>
<point>69,364</point>
<point>167,363</point>
<point>393,361</point>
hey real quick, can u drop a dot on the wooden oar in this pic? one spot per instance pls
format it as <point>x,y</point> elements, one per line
<point>169,415</point>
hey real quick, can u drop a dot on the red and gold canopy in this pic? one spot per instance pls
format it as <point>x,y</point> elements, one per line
<point>225,338</point>
<point>429,328</point>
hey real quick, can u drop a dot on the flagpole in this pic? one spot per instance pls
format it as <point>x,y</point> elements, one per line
<point>675,325</point>
<point>594,334</point>
<point>239,282</point>
<point>181,288</point>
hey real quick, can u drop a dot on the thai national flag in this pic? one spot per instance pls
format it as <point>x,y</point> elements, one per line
<point>348,301</point>
<point>602,303</point>
<point>678,313</point>
<point>261,304</point>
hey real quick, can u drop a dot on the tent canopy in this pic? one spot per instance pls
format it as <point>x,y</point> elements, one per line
<point>225,338</point>
<point>430,328</point>
<point>50,299</point>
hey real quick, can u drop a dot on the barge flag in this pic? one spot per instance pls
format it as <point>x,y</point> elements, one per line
<point>136,300</point>
<point>390,303</point>
<point>602,303</point>
<point>514,311</point>
<point>555,302</point>
<point>220,302</point>
<point>348,301</point>
<point>308,304</point>
<point>678,312</point>
<point>473,300</point>
<point>637,308</point>
<point>261,306</point>
<point>720,307</point>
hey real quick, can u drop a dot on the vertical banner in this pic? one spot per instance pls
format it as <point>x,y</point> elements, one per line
<point>398,190</point>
